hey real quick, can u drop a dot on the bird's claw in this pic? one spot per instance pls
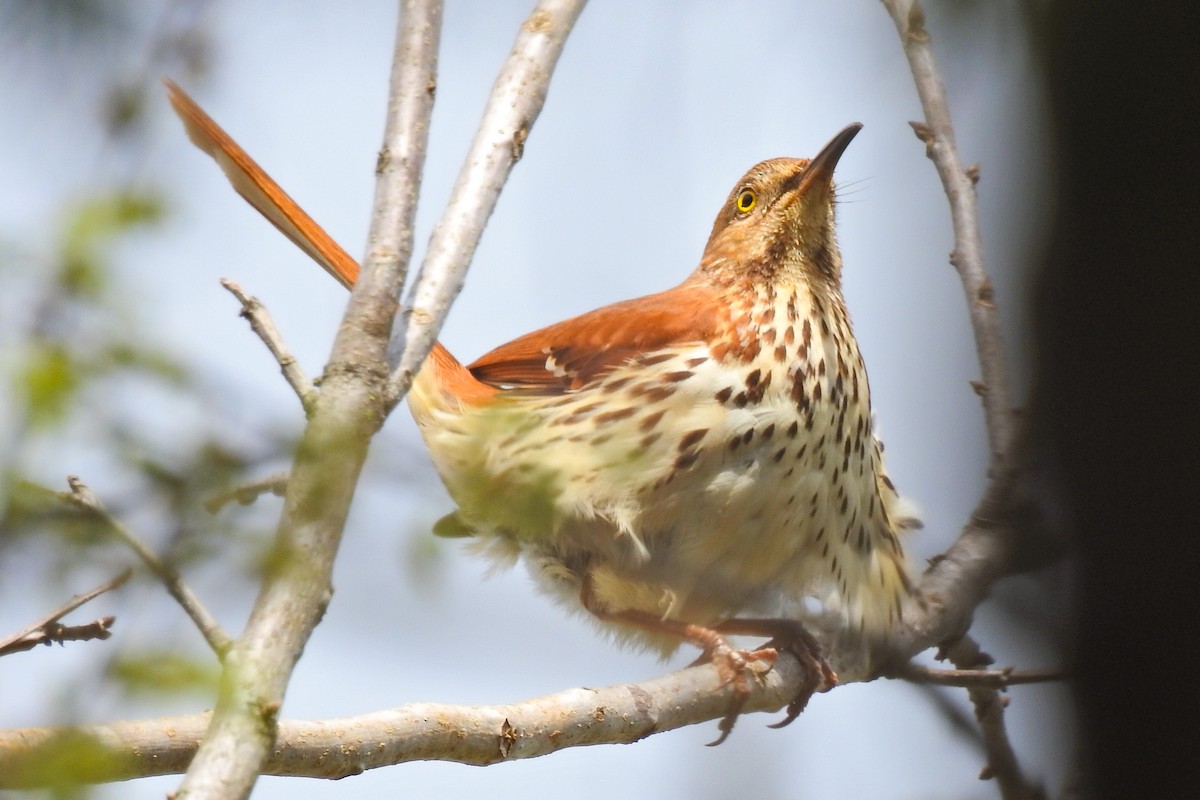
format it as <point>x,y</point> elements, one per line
<point>735,668</point>
<point>818,675</point>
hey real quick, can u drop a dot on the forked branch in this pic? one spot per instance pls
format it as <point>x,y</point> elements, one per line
<point>49,630</point>
<point>84,498</point>
<point>513,106</point>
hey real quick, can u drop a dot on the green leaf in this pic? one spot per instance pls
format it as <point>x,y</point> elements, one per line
<point>49,381</point>
<point>163,672</point>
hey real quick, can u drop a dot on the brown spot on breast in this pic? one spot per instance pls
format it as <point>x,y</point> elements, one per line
<point>816,393</point>
<point>768,432</point>
<point>768,336</point>
<point>753,378</point>
<point>614,385</point>
<point>692,437</point>
<point>692,363</point>
<point>741,399</point>
<point>649,422</point>
<point>824,327</point>
<point>578,415</point>
<point>806,332</point>
<point>650,439</point>
<point>789,336</point>
<point>748,436</point>
<point>676,377</point>
<point>797,393</point>
<point>613,416</point>
<point>779,454</point>
<point>659,394</point>
<point>793,429</point>
<point>724,395</point>
<point>781,353</point>
<point>685,460</point>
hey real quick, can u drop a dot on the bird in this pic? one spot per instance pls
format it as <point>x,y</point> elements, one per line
<point>685,466</point>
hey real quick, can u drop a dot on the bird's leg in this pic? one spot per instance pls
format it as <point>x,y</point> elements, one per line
<point>734,667</point>
<point>791,636</point>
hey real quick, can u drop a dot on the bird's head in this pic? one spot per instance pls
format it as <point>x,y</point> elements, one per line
<point>777,224</point>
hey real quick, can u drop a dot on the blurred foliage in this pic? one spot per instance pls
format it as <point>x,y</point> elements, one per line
<point>64,764</point>
<point>164,672</point>
<point>85,385</point>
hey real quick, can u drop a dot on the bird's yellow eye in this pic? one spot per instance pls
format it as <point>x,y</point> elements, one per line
<point>746,200</point>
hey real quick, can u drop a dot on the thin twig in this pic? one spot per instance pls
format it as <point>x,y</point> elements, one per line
<point>246,493</point>
<point>401,162</point>
<point>937,133</point>
<point>48,629</point>
<point>516,100</point>
<point>261,323</point>
<point>83,497</point>
<point>989,712</point>
<point>958,583</point>
<point>478,735</point>
<point>977,678</point>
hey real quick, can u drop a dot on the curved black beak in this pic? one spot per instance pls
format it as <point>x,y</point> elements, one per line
<point>820,170</point>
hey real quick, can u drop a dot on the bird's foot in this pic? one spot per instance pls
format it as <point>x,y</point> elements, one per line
<point>791,637</point>
<point>736,668</point>
<point>818,675</point>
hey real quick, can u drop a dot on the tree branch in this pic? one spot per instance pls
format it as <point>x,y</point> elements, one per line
<point>347,413</point>
<point>423,731</point>
<point>401,160</point>
<point>955,586</point>
<point>48,630</point>
<point>514,105</point>
<point>989,711</point>
<point>937,133</point>
<point>83,497</point>
<point>261,323</point>
<point>976,678</point>
<point>247,493</point>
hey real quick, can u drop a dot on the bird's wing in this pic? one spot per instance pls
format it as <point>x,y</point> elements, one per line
<point>572,354</point>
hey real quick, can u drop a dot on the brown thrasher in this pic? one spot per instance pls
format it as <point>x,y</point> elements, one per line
<point>672,461</point>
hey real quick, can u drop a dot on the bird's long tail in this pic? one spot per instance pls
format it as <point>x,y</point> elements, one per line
<point>443,372</point>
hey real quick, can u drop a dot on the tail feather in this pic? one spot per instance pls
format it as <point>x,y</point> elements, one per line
<point>261,191</point>
<point>443,373</point>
